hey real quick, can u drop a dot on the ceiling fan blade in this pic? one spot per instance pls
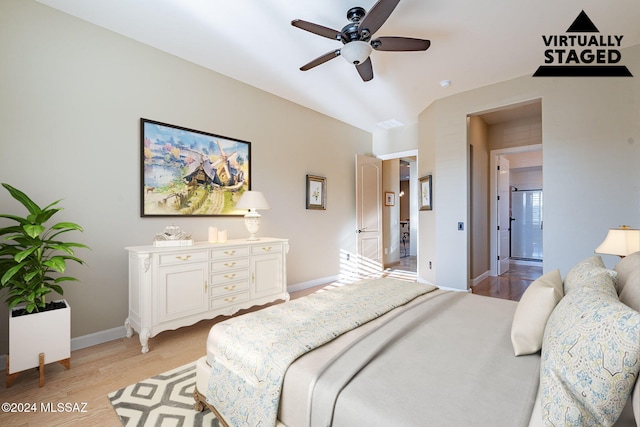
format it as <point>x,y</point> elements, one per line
<point>377,16</point>
<point>321,60</point>
<point>399,44</point>
<point>317,29</point>
<point>365,70</point>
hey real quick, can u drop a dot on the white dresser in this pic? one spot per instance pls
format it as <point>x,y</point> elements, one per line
<point>171,287</point>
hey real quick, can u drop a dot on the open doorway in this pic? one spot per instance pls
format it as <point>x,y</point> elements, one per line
<point>400,216</point>
<point>518,208</point>
<point>505,147</point>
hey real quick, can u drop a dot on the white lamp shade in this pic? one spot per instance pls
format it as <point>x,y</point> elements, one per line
<point>252,200</point>
<point>620,241</point>
<point>356,52</point>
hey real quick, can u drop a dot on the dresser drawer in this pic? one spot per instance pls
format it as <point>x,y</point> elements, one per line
<point>229,289</point>
<point>230,252</point>
<point>231,276</point>
<point>266,249</point>
<point>229,264</point>
<point>182,257</point>
<point>229,300</point>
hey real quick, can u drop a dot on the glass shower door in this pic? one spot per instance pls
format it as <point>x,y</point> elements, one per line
<point>526,225</point>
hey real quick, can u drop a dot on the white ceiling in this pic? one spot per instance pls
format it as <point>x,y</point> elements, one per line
<point>473,43</point>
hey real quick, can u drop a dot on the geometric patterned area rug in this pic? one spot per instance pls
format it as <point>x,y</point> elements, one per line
<point>165,400</point>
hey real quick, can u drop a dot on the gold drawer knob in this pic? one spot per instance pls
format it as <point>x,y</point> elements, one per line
<point>229,252</point>
<point>230,299</point>
<point>266,248</point>
<point>230,276</point>
<point>183,257</point>
<point>230,288</point>
<point>229,264</point>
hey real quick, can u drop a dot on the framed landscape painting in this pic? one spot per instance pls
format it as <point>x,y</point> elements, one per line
<point>190,172</point>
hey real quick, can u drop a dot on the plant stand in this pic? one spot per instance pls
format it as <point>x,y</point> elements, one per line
<point>11,377</point>
<point>39,338</point>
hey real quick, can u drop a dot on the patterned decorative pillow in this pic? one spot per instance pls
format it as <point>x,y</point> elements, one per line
<point>533,311</point>
<point>588,273</point>
<point>590,358</point>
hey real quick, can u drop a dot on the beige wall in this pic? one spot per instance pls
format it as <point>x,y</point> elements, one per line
<point>515,133</point>
<point>405,200</point>
<point>391,214</point>
<point>72,98</point>
<point>591,140</point>
<point>479,262</point>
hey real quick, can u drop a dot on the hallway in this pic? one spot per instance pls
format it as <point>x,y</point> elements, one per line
<point>510,285</point>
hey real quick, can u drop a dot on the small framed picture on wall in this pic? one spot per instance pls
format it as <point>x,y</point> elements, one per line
<point>389,198</point>
<point>426,198</point>
<point>316,192</point>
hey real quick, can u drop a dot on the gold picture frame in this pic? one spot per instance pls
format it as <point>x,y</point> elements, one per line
<point>426,197</point>
<point>389,198</point>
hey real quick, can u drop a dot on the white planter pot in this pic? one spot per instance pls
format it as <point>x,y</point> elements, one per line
<point>47,332</point>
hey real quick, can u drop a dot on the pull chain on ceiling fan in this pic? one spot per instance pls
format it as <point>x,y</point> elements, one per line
<point>356,38</point>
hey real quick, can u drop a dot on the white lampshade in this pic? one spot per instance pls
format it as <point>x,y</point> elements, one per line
<point>252,200</point>
<point>356,52</point>
<point>620,241</point>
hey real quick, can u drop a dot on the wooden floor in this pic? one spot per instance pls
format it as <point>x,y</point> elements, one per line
<point>99,370</point>
<point>510,285</point>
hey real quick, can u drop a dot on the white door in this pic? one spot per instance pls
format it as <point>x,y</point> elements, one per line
<point>369,210</point>
<point>503,214</point>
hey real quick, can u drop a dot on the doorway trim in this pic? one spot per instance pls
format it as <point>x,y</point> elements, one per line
<point>493,196</point>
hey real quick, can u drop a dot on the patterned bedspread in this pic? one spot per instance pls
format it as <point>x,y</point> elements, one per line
<point>256,350</point>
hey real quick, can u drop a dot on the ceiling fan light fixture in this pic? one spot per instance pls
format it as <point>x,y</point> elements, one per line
<point>356,52</point>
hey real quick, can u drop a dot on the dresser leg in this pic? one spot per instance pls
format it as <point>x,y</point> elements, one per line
<point>144,339</point>
<point>127,326</point>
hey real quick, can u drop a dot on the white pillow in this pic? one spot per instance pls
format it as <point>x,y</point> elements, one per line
<point>533,311</point>
<point>635,396</point>
<point>625,267</point>
<point>628,284</point>
<point>630,292</point>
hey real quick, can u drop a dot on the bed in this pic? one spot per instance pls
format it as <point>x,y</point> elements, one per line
<point>426,356</point>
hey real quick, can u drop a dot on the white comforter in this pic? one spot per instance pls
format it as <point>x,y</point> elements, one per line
<point>255,350</point>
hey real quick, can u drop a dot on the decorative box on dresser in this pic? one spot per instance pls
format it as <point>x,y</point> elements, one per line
<point>172,287</point>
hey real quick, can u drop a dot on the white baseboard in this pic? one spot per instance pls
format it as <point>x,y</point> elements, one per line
<point>98,338</point>
<point>480,278</point>
<point>445,288</point>
<point>311,283</point>
<point>525,262</point>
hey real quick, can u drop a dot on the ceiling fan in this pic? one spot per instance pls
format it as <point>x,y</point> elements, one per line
<point>356,38</point>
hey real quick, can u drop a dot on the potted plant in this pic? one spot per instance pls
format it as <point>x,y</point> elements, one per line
<point>33,260</point>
